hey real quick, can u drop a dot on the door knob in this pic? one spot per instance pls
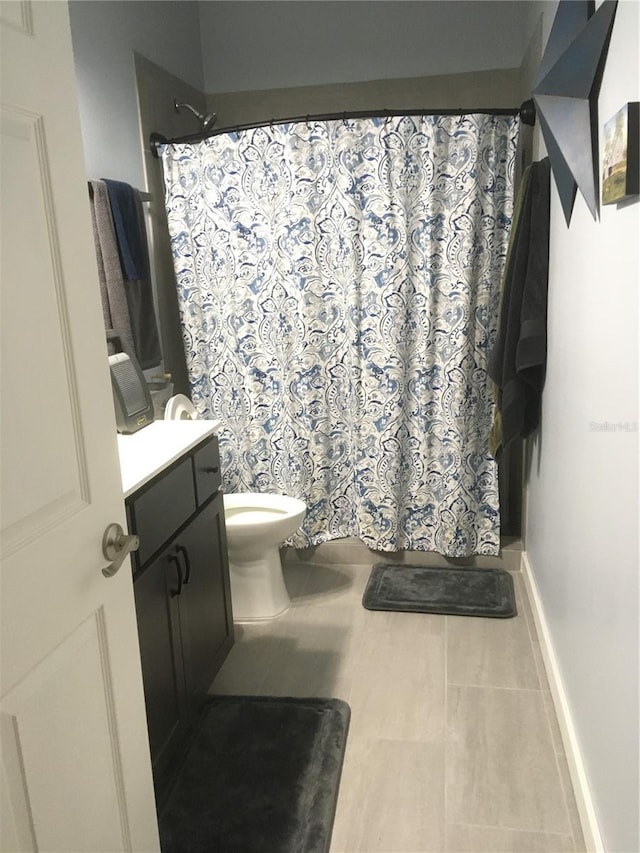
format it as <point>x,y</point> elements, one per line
<point>116,544</point>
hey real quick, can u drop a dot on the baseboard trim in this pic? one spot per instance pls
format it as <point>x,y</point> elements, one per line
<point>590,829</point>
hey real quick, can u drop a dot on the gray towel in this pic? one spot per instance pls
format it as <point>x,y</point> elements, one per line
<point>517,363</point>
<point>115,306</point>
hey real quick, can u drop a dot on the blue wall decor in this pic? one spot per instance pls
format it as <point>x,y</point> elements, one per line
<point>566,97</point>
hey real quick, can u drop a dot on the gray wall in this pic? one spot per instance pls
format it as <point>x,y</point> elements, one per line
<point>272,44</point>
<point>105,35</point>
<point>157,90</point>
<point>478,89</point>
<point>275,59</point>
<point>582,496</point>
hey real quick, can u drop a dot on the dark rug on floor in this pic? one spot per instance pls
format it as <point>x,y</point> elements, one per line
<point>261,776</point>
<point>458,592</point>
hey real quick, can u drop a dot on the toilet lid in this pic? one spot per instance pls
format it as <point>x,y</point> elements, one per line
<point>180,408</point>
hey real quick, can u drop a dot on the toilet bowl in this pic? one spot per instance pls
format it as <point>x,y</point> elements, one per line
<point>257,524</point>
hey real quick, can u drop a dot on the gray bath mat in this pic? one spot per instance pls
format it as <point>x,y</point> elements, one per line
<point>458,592</point>
<point>261,776</point>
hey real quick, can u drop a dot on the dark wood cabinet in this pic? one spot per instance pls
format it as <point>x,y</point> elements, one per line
<point>162,662</point>
<point>204,614</point>
<point>183,598</point>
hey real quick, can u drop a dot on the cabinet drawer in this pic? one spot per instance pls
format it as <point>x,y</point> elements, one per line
<point>162,509</point>
<point>206,463</point>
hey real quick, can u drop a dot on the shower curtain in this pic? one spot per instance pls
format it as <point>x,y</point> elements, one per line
<point>338,284</point>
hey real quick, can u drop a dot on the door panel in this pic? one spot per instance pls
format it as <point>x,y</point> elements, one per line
<point>17,14</point>
<point>26,200</point>
<point>76,768</point>
<point>78,754</point>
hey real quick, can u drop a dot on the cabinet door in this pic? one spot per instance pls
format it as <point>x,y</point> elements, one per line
<point>206,467</point>
<point>205,604</point>
<point>156,593</point>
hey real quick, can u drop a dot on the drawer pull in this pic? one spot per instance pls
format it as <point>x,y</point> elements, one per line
<point>173,559</point>
<point>211,470</point>
<point>187,562</point>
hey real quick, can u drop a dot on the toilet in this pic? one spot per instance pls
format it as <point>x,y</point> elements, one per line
<point>257,525</point>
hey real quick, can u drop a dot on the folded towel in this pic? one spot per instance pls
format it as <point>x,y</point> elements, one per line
<point>517,362</point>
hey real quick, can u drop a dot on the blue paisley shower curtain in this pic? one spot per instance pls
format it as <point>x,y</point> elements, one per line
<point>338,284</point>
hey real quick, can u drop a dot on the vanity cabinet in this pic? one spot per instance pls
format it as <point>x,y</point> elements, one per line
<point>183,597</point>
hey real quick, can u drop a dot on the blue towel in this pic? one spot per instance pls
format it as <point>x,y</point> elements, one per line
<point>122,198</point>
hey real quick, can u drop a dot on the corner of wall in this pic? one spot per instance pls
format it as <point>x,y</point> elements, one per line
<point>570,740</point>
<point>531,60</point>
<point>157,89</point>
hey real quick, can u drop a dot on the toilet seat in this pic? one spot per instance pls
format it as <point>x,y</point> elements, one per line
<point>180,408</point>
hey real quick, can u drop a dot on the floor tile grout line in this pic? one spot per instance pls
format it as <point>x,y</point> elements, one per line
<point>540,668</point>
<point>528,618</point>
<point>511,829</point>
<point>534,640</point>
<point>552,721</point>
<point>561,776</point>
<point>496,687</point>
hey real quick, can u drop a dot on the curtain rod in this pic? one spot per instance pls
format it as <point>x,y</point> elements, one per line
<point>526,113</point>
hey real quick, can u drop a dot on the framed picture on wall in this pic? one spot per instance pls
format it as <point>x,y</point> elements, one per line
<point>620,156</point>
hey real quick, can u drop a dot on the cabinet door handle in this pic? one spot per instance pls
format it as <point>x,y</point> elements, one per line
<point>187,562</point>
<point>174,559</point>
<point>211,469</point>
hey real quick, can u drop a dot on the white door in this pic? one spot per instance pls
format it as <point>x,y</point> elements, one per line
<point>76,774</point>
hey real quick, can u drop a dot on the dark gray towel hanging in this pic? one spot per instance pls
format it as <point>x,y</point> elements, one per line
<point>115,306</point>
<point>517,362</point>
<point>131,234</point>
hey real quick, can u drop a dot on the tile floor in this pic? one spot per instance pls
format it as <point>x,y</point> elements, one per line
<point>453,743</point>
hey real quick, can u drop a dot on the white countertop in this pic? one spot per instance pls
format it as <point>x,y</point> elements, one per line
<point>148,451</point>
